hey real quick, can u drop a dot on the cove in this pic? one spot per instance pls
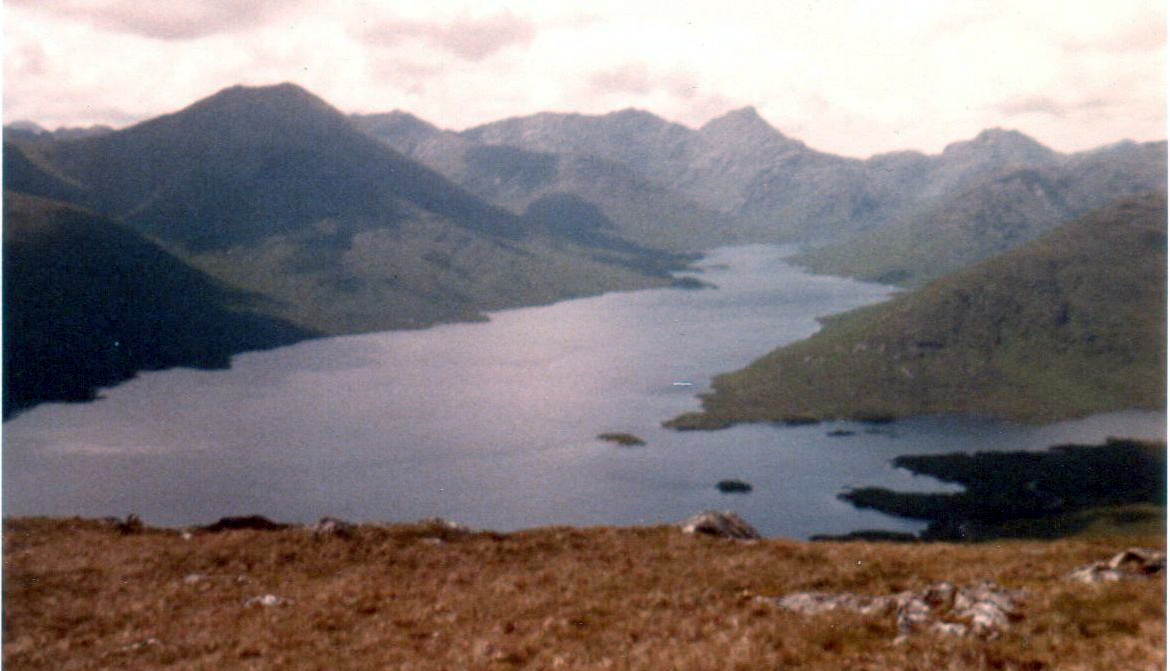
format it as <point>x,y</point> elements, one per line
<point>495,424</point>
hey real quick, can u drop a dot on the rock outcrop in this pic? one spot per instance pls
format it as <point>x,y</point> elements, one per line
<point>722,524</point>
<point>982,610</point>
<point>1126,565</point>
<point>331,526</point>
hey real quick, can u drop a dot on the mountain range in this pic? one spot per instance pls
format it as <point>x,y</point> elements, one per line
<point>643,210</point>
<point>272,194</point>
<point>325,223</point>
<point>777,189</point>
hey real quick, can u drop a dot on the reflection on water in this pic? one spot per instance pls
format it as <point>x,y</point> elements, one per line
<point>495,424</point>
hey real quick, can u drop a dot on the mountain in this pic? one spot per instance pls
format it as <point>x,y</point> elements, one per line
<point>247,163</point>
<point>648,144</point>
<point>1069,324</point>
<point>273,191</point>
<point>514,177</point>
<point>771,187</point>
<point>996,213</point>
<point>88,302</point>
<point>711,165</point>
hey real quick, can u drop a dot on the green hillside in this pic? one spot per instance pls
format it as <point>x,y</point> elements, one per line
<point>1070,324</point>
<point>88,302</point>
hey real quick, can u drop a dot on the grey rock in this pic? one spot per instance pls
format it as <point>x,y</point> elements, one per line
<point>266,601</point>
<point>983,610</point>
<point>331,526</point>
<point>1129,564</point>
<point>722,524</point>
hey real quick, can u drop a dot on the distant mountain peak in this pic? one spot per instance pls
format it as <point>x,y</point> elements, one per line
<point>632,113</point>
<point>748,115</point>
<point>745,125</point>
<point>250,113</point>
<point>1002,143</point>
<point>285,93</point>
<point>286,90</point>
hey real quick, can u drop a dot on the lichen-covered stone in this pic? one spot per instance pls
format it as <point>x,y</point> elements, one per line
<point>983,610</point>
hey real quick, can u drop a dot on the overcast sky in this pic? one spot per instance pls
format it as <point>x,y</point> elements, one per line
<point>853,78</point>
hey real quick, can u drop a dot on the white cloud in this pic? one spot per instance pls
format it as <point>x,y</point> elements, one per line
<point>163,20</point>
<point>467,37</point>
<point>848,77</point>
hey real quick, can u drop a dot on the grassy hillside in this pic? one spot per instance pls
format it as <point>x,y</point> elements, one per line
<point>80,595</point>
<point>88,302</point>
<point>1071,324</point>
<point>422,272</point>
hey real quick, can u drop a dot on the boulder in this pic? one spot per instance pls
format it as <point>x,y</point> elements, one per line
<point>722,524</point>
<point>331,526</point>
<point>266,601</point>
<point>1125,565</point>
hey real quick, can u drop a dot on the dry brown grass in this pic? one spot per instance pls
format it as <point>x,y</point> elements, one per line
<point>79,595</point>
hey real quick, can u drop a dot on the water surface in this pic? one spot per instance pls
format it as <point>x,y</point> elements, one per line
<point>494,424</point>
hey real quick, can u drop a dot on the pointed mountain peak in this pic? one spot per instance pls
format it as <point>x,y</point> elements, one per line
<point>254,112</point>
<point>745,124</point>
<point>283,104</point>
<point>744,115</point>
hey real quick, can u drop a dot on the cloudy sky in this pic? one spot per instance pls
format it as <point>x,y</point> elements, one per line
<point>853,78</point>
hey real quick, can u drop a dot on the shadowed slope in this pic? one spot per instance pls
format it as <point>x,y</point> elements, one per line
<point>88,302</point>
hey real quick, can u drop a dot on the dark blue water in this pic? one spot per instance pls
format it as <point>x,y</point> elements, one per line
<point>494,424</point>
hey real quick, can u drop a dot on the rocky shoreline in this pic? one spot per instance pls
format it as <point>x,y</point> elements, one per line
<point>1047,494</point>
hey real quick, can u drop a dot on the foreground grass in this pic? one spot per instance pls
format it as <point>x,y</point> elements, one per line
<point>80,595</point>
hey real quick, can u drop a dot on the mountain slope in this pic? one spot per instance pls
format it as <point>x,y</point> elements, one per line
<point>246,163</point>
<point>272,190</point>
<point>774,188</point>
<point>514,177</point>
<point>1070,324</point>
<point>88,302</point>
<point>994,215</point>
